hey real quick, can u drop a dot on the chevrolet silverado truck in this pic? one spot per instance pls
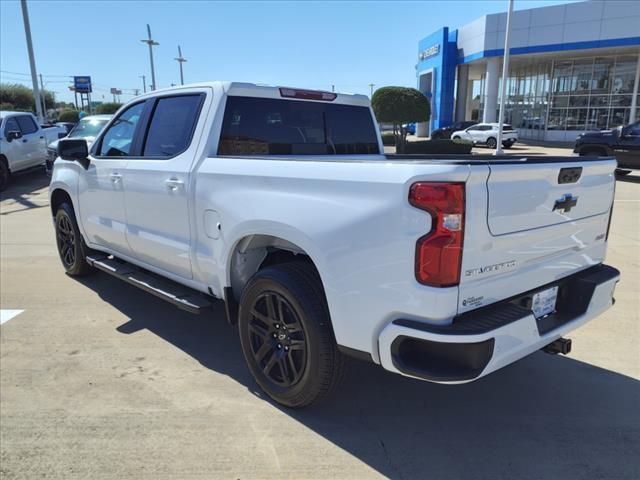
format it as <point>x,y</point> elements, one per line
<point>281,203</point>
<point>23,143</point>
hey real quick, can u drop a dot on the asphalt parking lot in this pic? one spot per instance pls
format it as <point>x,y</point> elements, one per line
<point>100,380</point>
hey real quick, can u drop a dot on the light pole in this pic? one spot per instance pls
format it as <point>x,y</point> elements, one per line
<point>371,85</point>
<point>180,60</point>
<point>505,77</point>
<point>149,41</point>
<point>32,60</point>
<point>43,98</point>
<point>144,83</point>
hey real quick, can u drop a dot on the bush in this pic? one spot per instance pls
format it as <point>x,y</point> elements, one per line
<point>108,108</point>
<point>400,105</point>
<point>438,146</point>
<point>69,116</point>
<point>388,139</point>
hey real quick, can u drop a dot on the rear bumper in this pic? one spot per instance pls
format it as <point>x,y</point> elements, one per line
<point>482,341</point>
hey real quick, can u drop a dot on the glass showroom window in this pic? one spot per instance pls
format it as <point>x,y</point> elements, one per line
<point>592,93</point>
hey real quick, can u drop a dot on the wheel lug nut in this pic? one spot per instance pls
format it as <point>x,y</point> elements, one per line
<point>277,325</point>
<point>279,346</point>
<point>275,336</point>
<point>286,348</point>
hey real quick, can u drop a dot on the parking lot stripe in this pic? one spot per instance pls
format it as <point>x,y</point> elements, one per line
<point>6,315</point>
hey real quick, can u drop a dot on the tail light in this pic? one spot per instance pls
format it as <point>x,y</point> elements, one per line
<point>439,252</point>
<point>308,94</point>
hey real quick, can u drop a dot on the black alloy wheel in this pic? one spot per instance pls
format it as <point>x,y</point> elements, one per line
<point>286,335</point>
<point>277,339</point>
<point>66,239</point>
<point>71,247</point>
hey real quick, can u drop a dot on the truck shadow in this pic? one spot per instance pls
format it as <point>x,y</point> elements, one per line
<point>22,187</point>
<point>544,417</point>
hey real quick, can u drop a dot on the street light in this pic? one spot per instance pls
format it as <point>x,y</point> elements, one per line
<point>180,60</point>
<point>32,60</point>
<point>149,41</point>
<point>505,77</point>
<point>144,82</point>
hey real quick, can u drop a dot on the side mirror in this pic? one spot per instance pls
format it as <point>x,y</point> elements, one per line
<point>61,135</point>
<point>75,150</point>
<point>13,135</point>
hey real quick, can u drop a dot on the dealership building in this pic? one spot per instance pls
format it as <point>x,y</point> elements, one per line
<point>572,68</point>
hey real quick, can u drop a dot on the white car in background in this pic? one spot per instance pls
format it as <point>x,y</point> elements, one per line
<point>23,143</point>
<point>88,128</point>
<point>487,134</point>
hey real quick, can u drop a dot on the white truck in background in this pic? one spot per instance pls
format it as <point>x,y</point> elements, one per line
<point>23,143</point>
<point>281,203</point>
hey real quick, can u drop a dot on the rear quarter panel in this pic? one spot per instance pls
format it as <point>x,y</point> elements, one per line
<point>352,217</point>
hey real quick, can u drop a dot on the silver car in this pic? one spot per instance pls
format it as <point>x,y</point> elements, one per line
<point>88,128</point>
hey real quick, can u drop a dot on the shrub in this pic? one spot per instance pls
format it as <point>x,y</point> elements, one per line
<point>400,105</point>
<point>108,108</point>
<point>69,116</point>
<point>438,146</point>
<point>388,139</point>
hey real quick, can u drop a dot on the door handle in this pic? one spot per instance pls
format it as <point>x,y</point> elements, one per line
<point>115,177</point>
<point>173,184</point>
<point>25,140</point>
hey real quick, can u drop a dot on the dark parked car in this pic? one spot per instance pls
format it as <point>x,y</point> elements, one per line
<point>445,132</point>
<point>622,143</point>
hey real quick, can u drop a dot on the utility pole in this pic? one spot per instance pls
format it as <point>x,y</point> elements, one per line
<point>505,77</point>
<point>32,60</point>
<point>144,83</point>
<point>371,85</point>
<point>180,60</point>
<point>43,97</point>
<point>149,41</point>
<point>333,88</point>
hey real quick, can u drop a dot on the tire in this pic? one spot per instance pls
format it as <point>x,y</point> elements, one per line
<point>71,247</point>
<point>286,335</point>
<point>456,138</point>
<point>507,145</point>
<point>4,174</point>
<point>491,143</point>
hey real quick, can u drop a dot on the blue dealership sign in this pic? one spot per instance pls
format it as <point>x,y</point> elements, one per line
<point>82,84</point>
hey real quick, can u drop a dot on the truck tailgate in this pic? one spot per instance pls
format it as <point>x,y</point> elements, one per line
<point>524,197</point>
<point>530,224</point>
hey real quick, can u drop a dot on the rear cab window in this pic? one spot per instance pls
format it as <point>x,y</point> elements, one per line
<point>268,126</point>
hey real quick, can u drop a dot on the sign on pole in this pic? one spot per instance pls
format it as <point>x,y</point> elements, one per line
<point>82,84</point>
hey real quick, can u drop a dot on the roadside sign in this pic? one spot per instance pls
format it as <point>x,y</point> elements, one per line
<point>82,84</point>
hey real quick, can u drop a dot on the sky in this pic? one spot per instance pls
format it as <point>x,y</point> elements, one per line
<point>301,44</point>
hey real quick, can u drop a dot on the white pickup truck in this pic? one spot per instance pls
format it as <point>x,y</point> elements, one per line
<point>23,143</point>
<point>281,202</point>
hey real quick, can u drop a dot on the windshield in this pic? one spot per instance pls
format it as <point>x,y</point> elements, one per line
<point>88,127</point>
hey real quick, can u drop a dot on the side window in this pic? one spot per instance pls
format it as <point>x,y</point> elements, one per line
<point>118,139</point>
<point>485,128</point>
<point>27,125</point>
<point>474,128</point>
<point>171,126</point>
<point>11,126</point>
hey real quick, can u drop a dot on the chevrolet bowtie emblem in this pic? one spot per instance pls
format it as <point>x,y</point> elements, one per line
<point>566,203</point>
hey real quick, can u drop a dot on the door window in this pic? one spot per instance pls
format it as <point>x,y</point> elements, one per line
<point>11,126</point>
<point>118,139</point>
<point>172,125</point>
<point>27,125</point>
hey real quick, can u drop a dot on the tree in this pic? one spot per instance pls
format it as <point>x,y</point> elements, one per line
<point>105,108</point>
<point>400,105</point>
<point>21,98</point>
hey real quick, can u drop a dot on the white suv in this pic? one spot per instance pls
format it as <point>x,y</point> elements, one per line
<point>487,134</point>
